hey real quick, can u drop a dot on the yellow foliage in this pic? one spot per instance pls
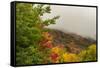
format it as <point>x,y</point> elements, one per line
<point>58,50</point>
<point>68,57</point>
<point>89,54</point>
<point>55,50</point>
<point>92,47</point>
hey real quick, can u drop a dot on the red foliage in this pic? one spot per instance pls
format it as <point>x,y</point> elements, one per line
<point>48,44</point>
<point>54,56</point>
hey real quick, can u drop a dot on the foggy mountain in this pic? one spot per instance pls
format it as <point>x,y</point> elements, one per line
<point>79,20</point>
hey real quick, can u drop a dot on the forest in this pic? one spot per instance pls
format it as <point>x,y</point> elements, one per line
<point>36,44</point>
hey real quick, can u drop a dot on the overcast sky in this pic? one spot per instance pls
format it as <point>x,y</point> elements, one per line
<point>79,20</point>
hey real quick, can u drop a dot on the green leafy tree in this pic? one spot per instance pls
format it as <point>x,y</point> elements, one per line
<point>29,27</point>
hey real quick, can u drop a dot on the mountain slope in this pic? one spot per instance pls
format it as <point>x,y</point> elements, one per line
<point>73,42</point>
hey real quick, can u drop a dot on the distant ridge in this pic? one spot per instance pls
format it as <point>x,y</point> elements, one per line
<point>73,42</point>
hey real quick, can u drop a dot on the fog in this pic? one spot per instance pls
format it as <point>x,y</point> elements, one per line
<point>79,20</point>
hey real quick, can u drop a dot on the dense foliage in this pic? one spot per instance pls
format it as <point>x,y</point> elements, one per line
<point>34,43</point>
<point>29,28</point>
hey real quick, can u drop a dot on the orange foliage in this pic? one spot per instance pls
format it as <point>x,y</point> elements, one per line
<point>47,36</point>
<point>46,42</point>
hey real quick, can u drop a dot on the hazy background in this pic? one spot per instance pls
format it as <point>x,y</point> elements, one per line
<point>79,20</point>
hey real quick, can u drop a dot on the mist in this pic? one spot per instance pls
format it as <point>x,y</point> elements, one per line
<point>78,20</point>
